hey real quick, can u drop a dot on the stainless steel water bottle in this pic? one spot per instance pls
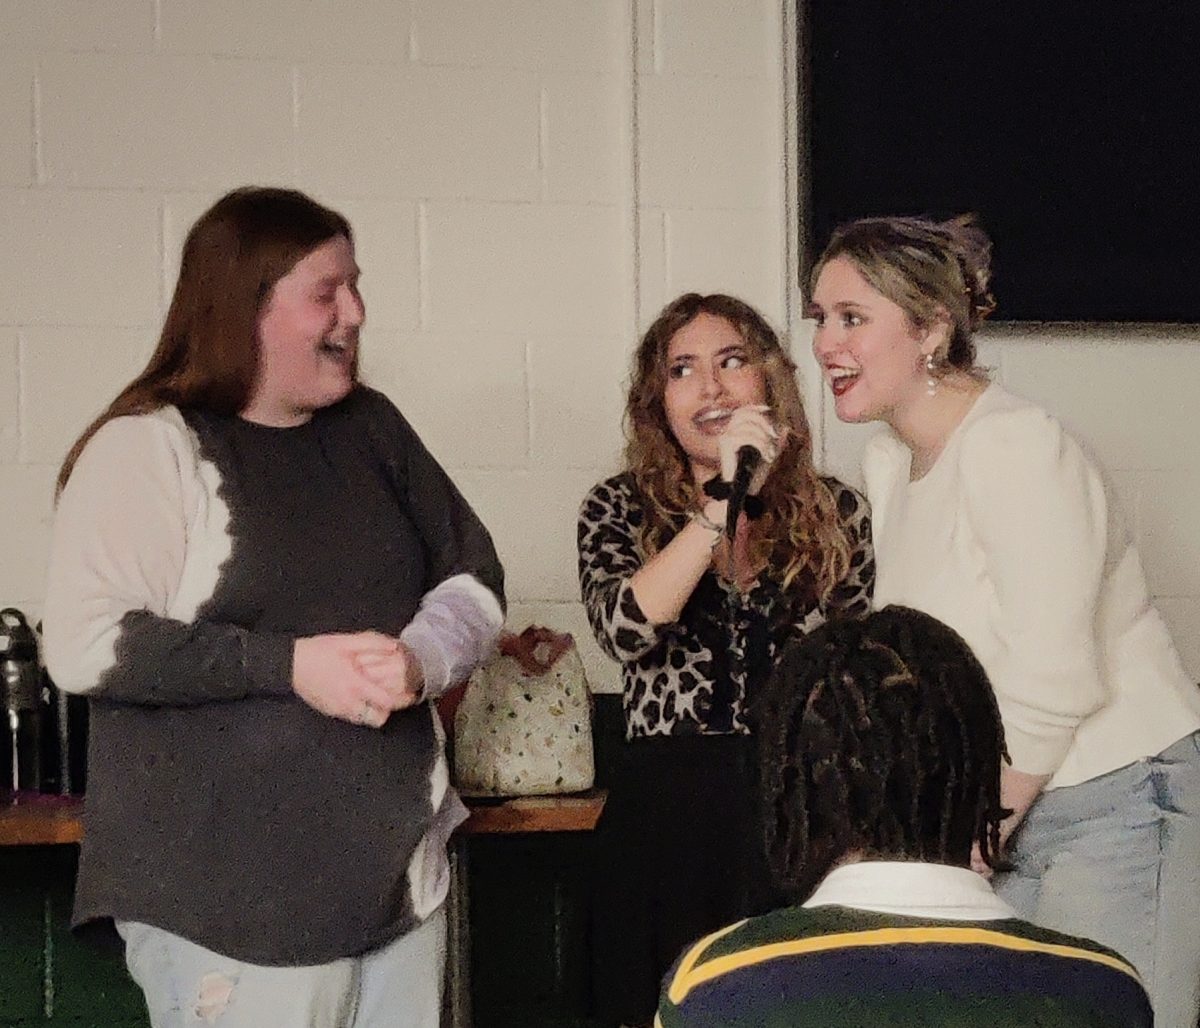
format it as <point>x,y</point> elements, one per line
<point>21,685</point>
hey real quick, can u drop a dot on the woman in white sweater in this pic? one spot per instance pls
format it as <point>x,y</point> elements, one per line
<point>990,517</point>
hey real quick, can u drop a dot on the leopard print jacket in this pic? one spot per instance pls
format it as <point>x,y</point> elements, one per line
<point>697,675</point>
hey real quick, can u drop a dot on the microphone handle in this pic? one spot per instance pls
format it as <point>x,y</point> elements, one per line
<point>748,458</point>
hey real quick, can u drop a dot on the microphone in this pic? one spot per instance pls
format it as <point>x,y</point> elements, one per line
<point>748,460</point>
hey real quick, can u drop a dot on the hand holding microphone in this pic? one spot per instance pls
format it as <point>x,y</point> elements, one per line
<point>750,426</point>
<point>748,448</point>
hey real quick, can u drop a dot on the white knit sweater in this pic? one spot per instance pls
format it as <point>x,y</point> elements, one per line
<point>1012,540</point>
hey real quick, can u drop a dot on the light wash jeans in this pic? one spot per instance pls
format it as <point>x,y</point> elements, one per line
<point>1117,860</point>
<point>187,986</point>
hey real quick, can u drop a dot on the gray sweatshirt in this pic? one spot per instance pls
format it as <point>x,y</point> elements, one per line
<point>190,551</point>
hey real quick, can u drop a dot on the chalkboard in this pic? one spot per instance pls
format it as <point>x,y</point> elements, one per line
<point>1073,129</point>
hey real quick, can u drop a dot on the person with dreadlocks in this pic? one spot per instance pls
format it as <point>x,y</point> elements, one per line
<point>695,619</point>
<point>881,747</point>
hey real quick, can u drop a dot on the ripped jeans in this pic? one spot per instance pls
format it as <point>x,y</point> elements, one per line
<point>187,986</point>
<point>1117,859</point>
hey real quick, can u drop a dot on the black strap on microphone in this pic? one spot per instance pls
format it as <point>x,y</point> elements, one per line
<point>748,459</point>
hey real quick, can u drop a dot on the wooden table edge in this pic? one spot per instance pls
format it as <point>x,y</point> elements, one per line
<point>575,812</point>
<point>58,820</point>
<point>34,820</point>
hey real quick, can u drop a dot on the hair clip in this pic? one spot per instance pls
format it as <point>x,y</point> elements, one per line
<point>717,488</point>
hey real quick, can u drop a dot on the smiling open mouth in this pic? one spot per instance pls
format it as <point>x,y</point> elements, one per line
<point>713,419</point>
<point>841,379</point>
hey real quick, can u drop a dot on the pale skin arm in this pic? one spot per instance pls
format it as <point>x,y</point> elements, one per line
<point>664,583</point>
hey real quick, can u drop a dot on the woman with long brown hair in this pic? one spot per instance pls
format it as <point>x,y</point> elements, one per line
<point>259,577</point>
<point>696,617</point>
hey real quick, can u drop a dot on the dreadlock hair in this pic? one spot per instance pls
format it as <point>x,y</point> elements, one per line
<point>880,737</point>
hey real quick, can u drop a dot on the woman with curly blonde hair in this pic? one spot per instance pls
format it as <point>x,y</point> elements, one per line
<point>696,617</point>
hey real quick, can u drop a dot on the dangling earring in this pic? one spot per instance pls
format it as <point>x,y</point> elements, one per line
<point>930,381</point>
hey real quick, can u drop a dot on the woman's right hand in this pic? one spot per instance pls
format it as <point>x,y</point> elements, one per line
<point>327,675</point>
<point>750,425</point>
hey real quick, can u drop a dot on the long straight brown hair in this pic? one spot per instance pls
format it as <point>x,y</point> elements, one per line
<point>207,354</point>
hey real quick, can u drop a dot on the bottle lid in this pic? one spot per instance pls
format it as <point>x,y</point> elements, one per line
<point>17,640</point>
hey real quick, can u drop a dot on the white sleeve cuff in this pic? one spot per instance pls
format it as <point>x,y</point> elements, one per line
<point>453,631</point>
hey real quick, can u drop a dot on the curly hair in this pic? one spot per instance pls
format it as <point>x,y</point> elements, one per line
<point>801,534</point>
<point>207,353</point>
<point>930,269</point>
<point>879,736</point>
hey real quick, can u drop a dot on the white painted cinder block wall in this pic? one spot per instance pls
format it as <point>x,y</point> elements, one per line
<point>529,180</point>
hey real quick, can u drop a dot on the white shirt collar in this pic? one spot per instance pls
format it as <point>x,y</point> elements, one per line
<point>911,889</point>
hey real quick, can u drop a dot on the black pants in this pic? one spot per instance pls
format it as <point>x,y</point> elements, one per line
<point>679,855</point>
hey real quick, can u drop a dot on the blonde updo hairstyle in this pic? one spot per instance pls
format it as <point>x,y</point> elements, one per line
<point>932,270</point>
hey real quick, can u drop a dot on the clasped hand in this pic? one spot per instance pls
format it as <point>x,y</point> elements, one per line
<point>361,677</point>
<point>751,426</point>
